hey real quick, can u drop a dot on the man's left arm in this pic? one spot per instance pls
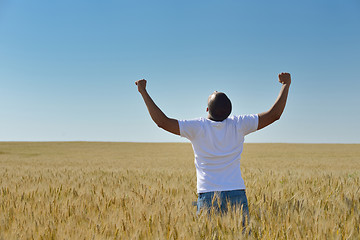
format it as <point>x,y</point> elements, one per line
<point>161,120</point>
<point>274,114</point>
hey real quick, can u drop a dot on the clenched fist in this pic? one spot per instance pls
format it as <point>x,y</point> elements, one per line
<point>285,78</point>
<point>141,84</point>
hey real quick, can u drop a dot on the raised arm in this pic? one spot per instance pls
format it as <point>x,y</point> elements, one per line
<point>161,120</point>
<point>267,118</point>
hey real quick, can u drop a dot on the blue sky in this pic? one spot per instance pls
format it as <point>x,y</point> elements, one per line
<point>67,68</point>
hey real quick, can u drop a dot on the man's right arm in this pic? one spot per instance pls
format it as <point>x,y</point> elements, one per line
<point>168,124</point>
<point>275,112</point>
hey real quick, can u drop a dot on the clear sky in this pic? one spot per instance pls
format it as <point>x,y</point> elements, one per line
<point>67,68</point>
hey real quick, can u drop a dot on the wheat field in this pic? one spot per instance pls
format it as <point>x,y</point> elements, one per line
<point>95,190</point>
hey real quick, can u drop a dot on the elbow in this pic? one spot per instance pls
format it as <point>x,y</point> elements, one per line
<point>276,117</point>
<point>274,114</point>
<point>161,124</point>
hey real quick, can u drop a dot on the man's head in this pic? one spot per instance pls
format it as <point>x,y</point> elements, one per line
<point>219,106</point>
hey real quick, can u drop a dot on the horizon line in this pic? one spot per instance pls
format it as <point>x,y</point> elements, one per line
<point>87,141</point>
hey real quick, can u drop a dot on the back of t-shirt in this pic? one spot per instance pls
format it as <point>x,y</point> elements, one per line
<point>217,148</point>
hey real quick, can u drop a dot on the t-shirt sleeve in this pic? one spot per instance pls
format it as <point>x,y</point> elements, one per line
<point>248,123</point>
<point>189,128</point>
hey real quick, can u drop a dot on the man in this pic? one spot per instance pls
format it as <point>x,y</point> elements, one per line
<point>217,143</point>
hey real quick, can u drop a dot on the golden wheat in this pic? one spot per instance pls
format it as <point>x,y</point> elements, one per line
<point>145,191</point>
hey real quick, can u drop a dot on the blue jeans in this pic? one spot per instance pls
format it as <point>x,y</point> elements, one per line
<point>218,201</point>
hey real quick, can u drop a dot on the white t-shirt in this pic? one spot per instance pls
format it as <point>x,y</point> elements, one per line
<point>217,149</point>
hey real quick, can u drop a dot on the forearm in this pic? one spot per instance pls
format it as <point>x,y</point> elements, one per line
<point>275,112</point>
<point>277,109</point>
<point>155,112</point>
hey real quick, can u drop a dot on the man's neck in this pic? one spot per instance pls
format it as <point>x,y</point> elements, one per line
<point>210,118</point>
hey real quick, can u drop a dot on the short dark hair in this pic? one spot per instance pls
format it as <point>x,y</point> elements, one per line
<point>219,106</point>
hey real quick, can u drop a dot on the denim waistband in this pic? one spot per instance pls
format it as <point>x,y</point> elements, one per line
<point>229,192</point>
